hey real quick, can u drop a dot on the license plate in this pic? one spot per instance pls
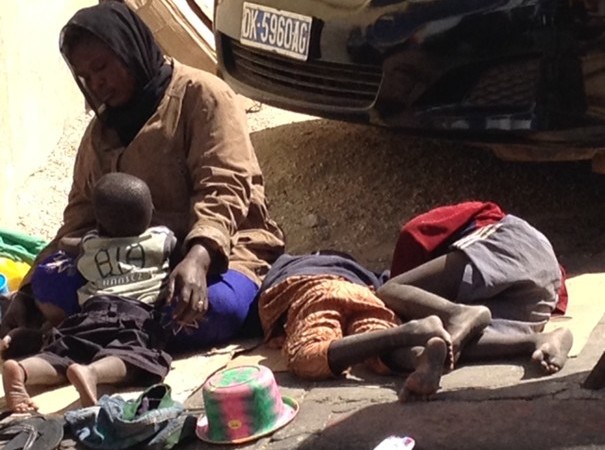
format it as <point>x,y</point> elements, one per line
<point>274,30</point>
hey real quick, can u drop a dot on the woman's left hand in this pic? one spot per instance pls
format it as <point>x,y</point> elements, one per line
<point>187,286</point>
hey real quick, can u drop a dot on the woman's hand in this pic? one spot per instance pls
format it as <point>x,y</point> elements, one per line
<point>187,286</point>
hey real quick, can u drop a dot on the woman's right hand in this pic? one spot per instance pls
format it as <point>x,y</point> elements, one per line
<point>187,288</point>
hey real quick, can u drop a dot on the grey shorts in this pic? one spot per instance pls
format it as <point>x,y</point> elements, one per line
<point>513,271</point>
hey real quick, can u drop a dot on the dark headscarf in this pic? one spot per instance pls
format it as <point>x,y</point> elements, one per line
<point>118,27</point>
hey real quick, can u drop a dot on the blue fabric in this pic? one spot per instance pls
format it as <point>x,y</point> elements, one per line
<point>56,280</point>
<point>231,299</point>
<point>287,266</point>
<point>115,423</point>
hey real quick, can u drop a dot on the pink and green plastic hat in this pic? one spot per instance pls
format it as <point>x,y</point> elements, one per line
<point>243,404</point>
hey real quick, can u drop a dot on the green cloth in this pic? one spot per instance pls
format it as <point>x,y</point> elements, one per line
<point>20,246</point>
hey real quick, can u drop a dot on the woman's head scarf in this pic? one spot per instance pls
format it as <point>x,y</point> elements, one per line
<point>114,24</point>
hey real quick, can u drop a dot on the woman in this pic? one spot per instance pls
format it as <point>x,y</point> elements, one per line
<point>184,133</point>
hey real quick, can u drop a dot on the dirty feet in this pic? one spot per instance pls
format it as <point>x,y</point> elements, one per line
<point>465,324</point>
<point>85,381</point>
<point>13,378</point>
<point>418,332</point>
<point>424,381</point>
<point>552,349</point>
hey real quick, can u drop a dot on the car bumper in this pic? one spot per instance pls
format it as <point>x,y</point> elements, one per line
<point>468,66</point>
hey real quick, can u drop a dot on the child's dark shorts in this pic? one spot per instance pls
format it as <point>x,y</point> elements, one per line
<point>514,271</point>
<point>111,326</point>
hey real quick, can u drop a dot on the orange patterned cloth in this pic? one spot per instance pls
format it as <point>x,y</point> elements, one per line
<point>319,309</point>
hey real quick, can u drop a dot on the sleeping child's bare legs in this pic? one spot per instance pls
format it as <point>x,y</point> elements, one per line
<point>419,345</point>
<point>86,378</point>
<point>333,324</point>
<point>31,371</point>
<point>354,349</point>
<point>548,350</point>
<point>427,289</point>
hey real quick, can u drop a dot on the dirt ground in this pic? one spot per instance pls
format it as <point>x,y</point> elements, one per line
<point>349,187</point>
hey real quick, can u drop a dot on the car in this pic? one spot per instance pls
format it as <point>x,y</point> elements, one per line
<point>524,78</point>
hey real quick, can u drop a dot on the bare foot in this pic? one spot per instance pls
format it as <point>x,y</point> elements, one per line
<point>465,324</point>
<point>85,381</point>
<point>17,398</point>
<point>424,381</point>
<point>552,349</point>
<point>417,332</point>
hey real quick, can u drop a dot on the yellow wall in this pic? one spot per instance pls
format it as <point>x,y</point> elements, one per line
<point>37,93</point>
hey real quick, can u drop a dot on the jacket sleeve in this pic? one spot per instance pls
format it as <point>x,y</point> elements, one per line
<point>220,159</point>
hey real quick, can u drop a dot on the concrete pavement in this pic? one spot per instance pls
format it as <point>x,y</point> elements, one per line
<point>488,406</point>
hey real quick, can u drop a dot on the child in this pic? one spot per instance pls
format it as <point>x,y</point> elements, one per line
<point>322,311</point>
<point>473,257</point>
<point>115,338</point>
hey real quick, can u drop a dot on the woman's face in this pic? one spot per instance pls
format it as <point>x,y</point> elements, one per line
<point>103,73</point>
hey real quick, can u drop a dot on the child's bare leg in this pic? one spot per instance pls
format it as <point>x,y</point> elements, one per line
<point>548,350</point>
<point>426,290</point>
<point>350,350</point>
<point>463,322</point>
<point>425,380</point>
<point>426,365</point>
<point>86,378</point>
<point>31,371</point>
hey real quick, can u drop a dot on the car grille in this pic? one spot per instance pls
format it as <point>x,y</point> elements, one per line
<point>318,82</point>
<point>512,84</point>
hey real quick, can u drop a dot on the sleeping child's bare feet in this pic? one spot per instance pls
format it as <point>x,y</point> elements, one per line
<point>424,381</point>
<point>465,324</point>
<point>552,349</point>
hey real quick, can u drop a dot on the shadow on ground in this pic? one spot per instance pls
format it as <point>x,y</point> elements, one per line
<point>349,187</point>
<point>492,424</point>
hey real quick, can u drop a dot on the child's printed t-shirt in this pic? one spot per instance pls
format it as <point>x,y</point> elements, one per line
<point>136,266</point>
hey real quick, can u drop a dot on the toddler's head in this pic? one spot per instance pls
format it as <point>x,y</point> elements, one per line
<point>123,205</point>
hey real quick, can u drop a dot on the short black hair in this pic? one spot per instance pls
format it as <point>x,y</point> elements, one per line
<point>123,205</point>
